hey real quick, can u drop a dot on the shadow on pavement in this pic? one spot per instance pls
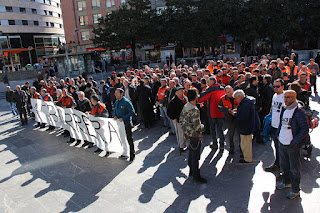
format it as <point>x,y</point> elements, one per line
<point>66,170</point>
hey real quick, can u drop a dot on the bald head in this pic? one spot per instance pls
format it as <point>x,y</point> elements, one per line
<point>289,97</point>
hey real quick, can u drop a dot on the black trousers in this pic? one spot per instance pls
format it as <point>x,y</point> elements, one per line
<point>194,157</point>
<point>128,129</point>
<point>23,114</point>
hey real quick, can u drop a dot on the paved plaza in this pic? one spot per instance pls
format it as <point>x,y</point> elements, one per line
<point>40,172</point>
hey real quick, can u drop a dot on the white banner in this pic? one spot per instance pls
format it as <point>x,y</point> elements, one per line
<point>106,133</point>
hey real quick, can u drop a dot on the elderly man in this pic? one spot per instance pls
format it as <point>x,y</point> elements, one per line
<point>227,105</point>
<point>292,134</point>
<point>174,110</point>
<point>20,98</point>
<point>245,123</point>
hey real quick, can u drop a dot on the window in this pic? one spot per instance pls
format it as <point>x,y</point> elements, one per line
<point>85,35</point>
<point>36,23</point>
<point>9,9</point>
<point>95,3</point>
<point>110,3</point>
<point>60,25</point>
<point>34,11</point>
<point>96,18</point>
<point>83,20</point>
<point>22,10</point>
<point>47,24</point>
<point>45,12</point>
<point>12,22</point>
<point>15,41</point>
<point>24,22</point>
<point>82,5</point>
<point>58,5</point>
<point>59,15</point>
<point>51,24</point>
<point>50,13</point>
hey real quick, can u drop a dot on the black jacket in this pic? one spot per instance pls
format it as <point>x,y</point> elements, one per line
<point>253,91</point>
<point>266,97</point>
<point>9,96</point>
<point>84,106</point>
<point>144,95</point>
<point>175,107</point>
<point>20,99</point>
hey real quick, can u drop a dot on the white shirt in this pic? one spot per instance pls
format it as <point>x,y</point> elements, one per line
<point>277,104</point>
<point>285,136</point>
<point>126,93</point>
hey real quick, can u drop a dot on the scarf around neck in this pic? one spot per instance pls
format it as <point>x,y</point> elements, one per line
<point>293,105</point>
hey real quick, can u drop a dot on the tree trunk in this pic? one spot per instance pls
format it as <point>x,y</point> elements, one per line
<point>134,60</point>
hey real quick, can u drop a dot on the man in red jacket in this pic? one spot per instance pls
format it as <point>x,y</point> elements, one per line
<point>212,95</point>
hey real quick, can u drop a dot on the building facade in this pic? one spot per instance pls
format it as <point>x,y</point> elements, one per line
<point>30,29</point>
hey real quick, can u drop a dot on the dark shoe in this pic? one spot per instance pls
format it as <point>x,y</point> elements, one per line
<point>170,133</point>
<point>42,126</point>
<point>38,125</point>
<point>272,168</point>
<point>243,161</point>
<point>182,150</point>
<point>283,186</point>
<point>131,159</point>
<point>78,142</point>
<point>50,128</point>
<point>213,146</point>
<point>293,195</point>
<point>98,150</point>
<point>71,140</point>
<point>123,157</point>
<point>309,151</point>
<point>201,180</point>
<point>107,154</point>
<point>90,145</point>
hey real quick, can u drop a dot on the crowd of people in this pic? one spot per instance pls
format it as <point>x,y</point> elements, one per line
<point>195,100</point>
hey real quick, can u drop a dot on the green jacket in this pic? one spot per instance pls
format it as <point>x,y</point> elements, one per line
<point>190,122</point>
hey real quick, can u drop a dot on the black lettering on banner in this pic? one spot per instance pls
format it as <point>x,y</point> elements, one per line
<point>113,130</point>
<point>69,121</point>
<point>53,115</point>
<point>78,121</point>
<point>84,118</point>
<point>98,127</point>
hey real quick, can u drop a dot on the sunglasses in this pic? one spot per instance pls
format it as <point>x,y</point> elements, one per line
<point>276,86</point>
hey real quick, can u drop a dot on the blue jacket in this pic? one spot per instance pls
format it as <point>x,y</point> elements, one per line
<point>124,109</point>
<point>299,127</point>
<point>245,116</point>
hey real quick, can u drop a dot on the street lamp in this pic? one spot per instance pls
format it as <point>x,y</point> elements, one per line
<point>29,50</point>
<point>5,77</point>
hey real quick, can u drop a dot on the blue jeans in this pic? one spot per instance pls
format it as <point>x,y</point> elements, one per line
<point>13,108</point>
<point>163,113</point>
<point>290,164</point>
<point>216,128</point>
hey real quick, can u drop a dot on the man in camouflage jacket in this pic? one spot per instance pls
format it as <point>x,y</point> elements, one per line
<point>191,126</point>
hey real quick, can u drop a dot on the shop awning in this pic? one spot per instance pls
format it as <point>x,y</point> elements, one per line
<point>15,50</point>
<point>96,49</point>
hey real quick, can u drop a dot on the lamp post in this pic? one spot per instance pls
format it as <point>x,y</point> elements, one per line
<point>5,77</point>
<point>29,50</point>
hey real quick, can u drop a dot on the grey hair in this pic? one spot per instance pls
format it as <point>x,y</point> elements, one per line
<point>212,78</point>
<point>81,92</point>
<point>238,93</point>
